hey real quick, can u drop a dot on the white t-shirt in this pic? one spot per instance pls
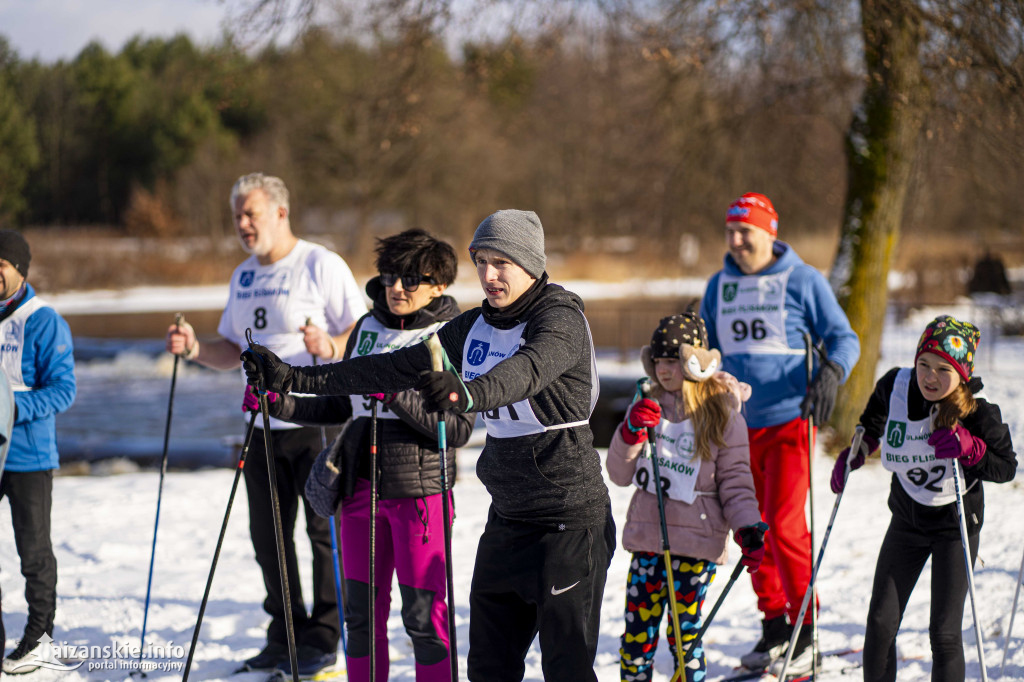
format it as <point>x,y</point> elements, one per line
<point>275,300</point>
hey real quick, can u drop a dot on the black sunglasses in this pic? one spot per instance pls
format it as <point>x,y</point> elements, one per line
<point>409,282</point>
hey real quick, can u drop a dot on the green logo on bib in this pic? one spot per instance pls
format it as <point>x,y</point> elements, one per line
<point>729,291</point>
<point>366,342</point>
<point>896,433</point>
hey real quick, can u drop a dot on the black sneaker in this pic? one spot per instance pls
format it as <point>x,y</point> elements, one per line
<point>775,634</point>
<point>310,659</point>
<point>25,657</point>
<point>272,654</point>
<point>802,661</point>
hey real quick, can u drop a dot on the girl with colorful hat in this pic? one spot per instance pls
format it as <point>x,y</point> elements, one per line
<point>704,465</point>
<point>926,420</point>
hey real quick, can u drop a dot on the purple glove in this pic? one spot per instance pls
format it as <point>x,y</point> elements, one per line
<point>958,443</point>
<point>867,446</point>
<point>251,402</point>
<point>642,415</point>
<point>751,542</point>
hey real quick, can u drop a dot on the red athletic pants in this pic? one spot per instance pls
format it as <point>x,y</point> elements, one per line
<point>778,461</point>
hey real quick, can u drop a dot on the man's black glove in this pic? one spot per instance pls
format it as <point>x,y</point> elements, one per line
<point>821,394</point>
<point>260,363</point>
<point>444,391</point>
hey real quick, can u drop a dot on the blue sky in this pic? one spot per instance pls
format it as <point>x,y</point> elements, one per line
<point>58,29</point>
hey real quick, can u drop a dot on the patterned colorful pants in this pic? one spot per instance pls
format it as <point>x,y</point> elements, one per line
<point>647,600</point>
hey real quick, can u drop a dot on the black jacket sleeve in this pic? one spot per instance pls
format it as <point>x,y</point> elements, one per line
<point>312,410</point>
<point>999,464</point>
<point>555,338</point>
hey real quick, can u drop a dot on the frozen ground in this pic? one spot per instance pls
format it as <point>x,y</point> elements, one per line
<point>103,525</point>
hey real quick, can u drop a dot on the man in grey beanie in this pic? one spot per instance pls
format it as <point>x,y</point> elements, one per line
<point>525,361</point>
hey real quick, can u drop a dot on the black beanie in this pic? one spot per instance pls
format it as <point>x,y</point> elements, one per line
<point>676,331</point>
<point>14,249</point>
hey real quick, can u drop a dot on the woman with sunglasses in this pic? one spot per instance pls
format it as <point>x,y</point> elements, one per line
<point>408,304</point>
<point>523,360</point>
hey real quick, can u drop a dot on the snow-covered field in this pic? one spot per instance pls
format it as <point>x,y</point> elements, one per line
<point>103,527</point>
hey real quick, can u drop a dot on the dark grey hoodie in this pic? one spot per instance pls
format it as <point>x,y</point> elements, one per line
<point>552,478</point>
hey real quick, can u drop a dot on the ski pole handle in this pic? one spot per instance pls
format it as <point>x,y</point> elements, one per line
<point>858,436</point>
<point>436,352</point>
<point>643,387</point>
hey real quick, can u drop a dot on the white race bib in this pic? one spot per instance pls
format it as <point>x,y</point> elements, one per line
<point>678,465</point>
<point>12,341</point>
<point>906,453</point>
<point>752,314</point>
<point>484,348</point>
<point>373,338</point>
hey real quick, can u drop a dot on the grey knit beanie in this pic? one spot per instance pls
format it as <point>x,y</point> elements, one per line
<point>517,234</point>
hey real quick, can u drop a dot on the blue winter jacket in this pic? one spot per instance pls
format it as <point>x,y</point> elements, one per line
<point>48,370</point>
<point>779,381</point>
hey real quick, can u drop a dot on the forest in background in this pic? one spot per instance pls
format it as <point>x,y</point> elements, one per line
<point>629,149</point>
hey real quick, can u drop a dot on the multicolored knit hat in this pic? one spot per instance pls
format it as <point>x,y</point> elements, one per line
<point>954,341</point>
<point>685,337</point>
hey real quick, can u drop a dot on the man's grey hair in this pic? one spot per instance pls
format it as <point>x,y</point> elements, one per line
<point>272,186</point>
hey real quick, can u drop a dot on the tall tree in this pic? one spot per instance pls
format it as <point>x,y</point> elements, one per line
<point>19,152</point>
<point>917,56</point>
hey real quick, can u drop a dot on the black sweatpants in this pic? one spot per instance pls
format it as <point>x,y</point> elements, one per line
<point>31,497</point>
<point>294,453</point>
<point>531,580</point>
<point>900,562</point>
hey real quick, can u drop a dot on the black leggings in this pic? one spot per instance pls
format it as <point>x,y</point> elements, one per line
<point>900,562</point>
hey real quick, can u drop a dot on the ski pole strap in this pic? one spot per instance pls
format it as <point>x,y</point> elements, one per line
<point>439,362</point>
<point>261,388</point>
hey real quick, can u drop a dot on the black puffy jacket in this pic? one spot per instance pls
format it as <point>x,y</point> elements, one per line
<point>408,460</point>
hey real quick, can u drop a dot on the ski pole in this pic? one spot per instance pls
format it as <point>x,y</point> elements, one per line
<point>858,436</point>
<point>1013,611</point>
<point>808,343</point>
<point>437,365</point>
<point>178,319</point>
<point>275,506</point>
<point>692,645</point>
<point>644,387</point>
<point>958,485</point>
<point>220,543</point>
<point>338,593</point>
<point>373,539</point>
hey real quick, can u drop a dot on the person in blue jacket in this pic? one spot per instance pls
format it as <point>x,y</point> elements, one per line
<point>37,356</point>
<point>757,309</point>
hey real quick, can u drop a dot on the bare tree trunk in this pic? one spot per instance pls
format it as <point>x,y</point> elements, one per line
<point>881,145</point>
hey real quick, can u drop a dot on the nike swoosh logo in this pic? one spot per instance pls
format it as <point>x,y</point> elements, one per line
<point>557,592</point>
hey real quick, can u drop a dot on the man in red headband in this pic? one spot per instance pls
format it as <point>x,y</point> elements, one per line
<point>757,309</point>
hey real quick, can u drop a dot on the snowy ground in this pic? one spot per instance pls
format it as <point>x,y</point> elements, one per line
<point>102,530</point>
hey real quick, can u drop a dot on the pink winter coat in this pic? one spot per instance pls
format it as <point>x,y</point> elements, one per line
<point>701,529</point>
